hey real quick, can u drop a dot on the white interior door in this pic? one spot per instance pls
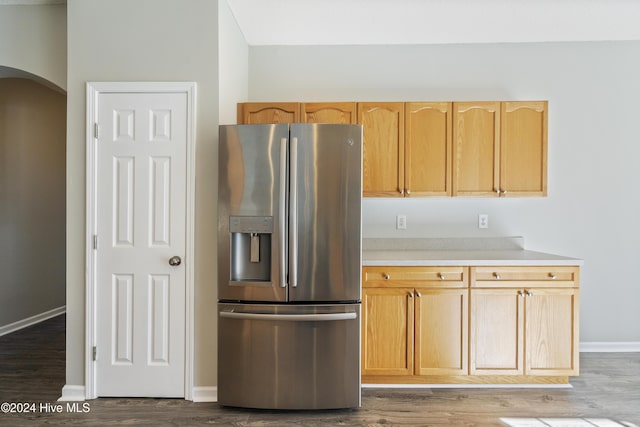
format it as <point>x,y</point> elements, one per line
<point>140,223</point>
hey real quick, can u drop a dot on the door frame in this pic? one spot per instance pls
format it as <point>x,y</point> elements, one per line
<point>94,90</point>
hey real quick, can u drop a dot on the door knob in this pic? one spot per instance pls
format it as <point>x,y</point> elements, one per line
<point>175,261</point>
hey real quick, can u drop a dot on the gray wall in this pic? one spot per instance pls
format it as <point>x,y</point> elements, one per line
<point>144,40</point>
<point>32,199</point>
<point>593,203</point>
<point>33,40</point>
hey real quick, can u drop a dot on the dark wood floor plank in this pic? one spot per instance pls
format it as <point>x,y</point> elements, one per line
<point>32,364</point>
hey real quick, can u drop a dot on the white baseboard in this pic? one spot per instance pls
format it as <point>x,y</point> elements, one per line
<point>610,347</point>
<point>29,321</point>
<point>205,394</point>
<point>76,393</point>
<point>409,386</point>
<point>72,393</point>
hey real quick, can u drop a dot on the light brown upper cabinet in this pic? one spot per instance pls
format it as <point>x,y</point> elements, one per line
<point>407,148</point>
<point>383,148</point>
<point>476,141</point>
<point>419,149</point>
<point>500,148</point>
<point>523,148</point>
<point>268,112</point>
<point>328,112</point>
<point>427,170</point>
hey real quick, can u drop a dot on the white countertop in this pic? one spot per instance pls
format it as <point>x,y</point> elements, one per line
<point>507,251</point>
<point>454,257</point>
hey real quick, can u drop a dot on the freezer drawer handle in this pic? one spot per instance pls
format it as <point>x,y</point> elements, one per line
<point>289,317</point>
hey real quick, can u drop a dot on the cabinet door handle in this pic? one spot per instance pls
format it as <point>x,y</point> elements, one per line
<point>408,191</point>
<point>522,294</point>
<point>529,293</point>
<point>387,277</point>
<point>418,294</point>
<point>496,275</point>
<point>401,191</point>
<point>553,276</point>
<point>440,276</point>
<point>410,295</point>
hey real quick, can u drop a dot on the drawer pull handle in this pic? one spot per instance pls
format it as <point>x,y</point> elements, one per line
<point>440,276</point>
<point>387,277</point>
<point>496,275</point>
<point>553,276</point>
<point>410,295</point>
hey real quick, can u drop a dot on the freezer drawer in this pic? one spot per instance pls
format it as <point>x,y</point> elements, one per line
<point>289,356</point>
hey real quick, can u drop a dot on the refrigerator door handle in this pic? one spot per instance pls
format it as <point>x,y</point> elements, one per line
<point>293,214</point>
<point>282,215</point>
<point>289,317</point>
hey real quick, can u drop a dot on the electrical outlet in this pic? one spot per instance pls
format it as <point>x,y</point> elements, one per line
<point>401,222</point>
<point>483,221</point>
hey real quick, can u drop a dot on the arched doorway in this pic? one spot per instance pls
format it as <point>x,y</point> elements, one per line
<point>32,201</point>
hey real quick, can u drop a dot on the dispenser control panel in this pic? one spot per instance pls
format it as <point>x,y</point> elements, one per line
<point>251,224</point>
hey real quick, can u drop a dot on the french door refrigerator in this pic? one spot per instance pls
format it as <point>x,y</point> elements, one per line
<point>289,263</point>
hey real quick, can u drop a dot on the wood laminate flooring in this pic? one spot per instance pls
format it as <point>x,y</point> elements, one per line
<point>32,363</point>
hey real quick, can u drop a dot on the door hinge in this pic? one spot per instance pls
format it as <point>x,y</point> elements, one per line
<point>96,130</point>
<point>95,242</point>
<point>95,352</point>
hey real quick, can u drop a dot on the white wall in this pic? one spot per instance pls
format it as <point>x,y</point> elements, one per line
<point>233,54</point>
<point>144,40</point>
<point>593,203</point>
<point>33,39</point>
<point>32,199</point>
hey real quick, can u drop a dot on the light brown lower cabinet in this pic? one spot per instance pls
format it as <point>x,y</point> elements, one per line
<point>470,324</point>
<point>524,321</point>
<point>414,322</point>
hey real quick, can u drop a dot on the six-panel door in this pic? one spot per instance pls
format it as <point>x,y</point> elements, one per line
<point>141,214</point>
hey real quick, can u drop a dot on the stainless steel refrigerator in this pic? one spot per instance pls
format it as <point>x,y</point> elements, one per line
<point>289,262</point>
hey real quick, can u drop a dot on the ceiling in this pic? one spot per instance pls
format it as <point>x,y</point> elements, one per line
<point>353,22</point>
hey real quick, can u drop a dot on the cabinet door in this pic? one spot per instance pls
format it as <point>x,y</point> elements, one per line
<point>383,148</point>
<point>387,331</point>
<point>552,332</point>
<point>428,149</point>
<point>328,112</point>
<point>441,331</point>
<point>496,332</point>
<point>476,141</point>
<point>268,112</point>
<point>523,148</point>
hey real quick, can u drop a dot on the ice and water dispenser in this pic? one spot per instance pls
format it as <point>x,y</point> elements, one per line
<point>251,248</point>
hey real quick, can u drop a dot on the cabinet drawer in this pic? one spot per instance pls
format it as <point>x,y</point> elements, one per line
<point>546,276</point>
<point>415,276</point>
